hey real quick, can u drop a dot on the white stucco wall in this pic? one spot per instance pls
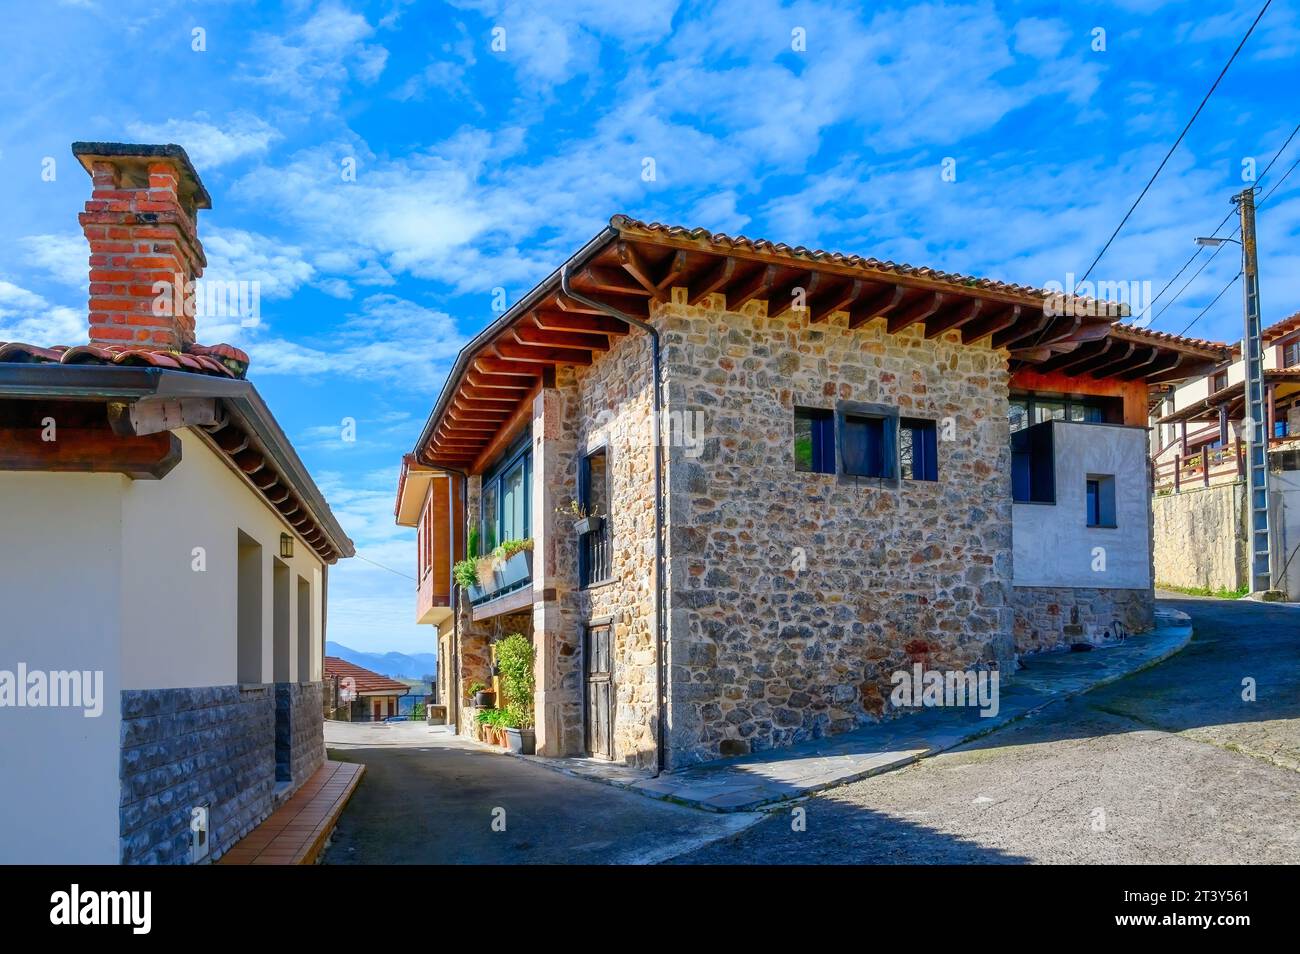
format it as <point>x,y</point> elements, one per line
<point>178,623</point>
<point>60,556</point>
<point>1052,545</point>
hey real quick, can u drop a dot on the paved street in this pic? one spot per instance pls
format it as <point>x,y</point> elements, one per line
<point>1170,765</point>
<point>429,798</point>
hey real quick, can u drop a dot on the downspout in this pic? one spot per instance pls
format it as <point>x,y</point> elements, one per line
<point>660,620</point>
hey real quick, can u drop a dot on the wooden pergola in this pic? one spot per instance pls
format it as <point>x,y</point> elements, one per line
<point>633,265</point>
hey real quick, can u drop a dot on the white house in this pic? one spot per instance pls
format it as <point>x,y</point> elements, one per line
<point>164,566</point>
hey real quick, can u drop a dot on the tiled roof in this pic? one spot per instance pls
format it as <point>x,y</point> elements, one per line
<point>220,360</point>
<point>722,241</point>
<point>364,679</point>
<point>1123,329</point>
<point>1283,327</point>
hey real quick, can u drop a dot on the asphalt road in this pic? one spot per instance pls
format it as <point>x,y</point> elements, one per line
<point>1171,765</point>
<point>429,798</point>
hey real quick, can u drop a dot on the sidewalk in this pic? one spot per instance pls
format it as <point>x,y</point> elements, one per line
<point>758,781</point>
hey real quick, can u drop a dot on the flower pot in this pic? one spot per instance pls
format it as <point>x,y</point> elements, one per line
<point>516,570</point>
<point>521,741</point>
<point>486,699</point>
<point>588,525</point>
<point>499,736</point>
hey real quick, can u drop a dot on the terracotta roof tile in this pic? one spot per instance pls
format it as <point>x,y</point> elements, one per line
<point>1283,327</point>
<point>365,680</point>
<point>218,360</point>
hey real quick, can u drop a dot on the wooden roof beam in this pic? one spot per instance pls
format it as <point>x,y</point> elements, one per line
<point>597,278</point>
<point>959,314</point>
<point>634,264</point>
<point>839,300</point>
<point>1141,359</point>
<point>628,304</point>
<point>715,279</point>
<point>919,310</point>
<point>528,334</point>
<point>587,324</point>
<point>757,285</point>
<point>991,323</point>
<point>783,298</point>
<point>534,354</point>
<point>497,365</point>
<point>881,303</point>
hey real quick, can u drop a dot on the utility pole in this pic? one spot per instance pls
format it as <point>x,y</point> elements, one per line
<point>1253,426</point>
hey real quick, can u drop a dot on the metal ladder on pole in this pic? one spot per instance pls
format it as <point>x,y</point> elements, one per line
<point>1255,423</point>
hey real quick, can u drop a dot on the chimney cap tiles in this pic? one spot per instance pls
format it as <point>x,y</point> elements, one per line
<point>134,159</point>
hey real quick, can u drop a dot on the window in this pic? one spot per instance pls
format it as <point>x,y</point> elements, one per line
<point>1033,465</point>
<point>1218,382</point>
<point>595,564</point>
<point>867,445</point>
<point>248,610</point>
<point>918,449</point>
<point>504,504</point>
<point>1100,496</point>
<point>814,440</point>
<point>1291,354</point>
<point>1025,410</point>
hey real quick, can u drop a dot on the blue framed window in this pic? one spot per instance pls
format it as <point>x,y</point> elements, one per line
<point>868,445</point>
<point>918,449</point>
<point>505,503</point>
<point>814,440</point>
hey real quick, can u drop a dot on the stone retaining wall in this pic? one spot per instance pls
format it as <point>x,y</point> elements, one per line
<point>183,748</point>
<point>1200,538</point>
<point>1053,617</point>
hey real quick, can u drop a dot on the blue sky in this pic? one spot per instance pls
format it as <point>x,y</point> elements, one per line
<point>481,168</point>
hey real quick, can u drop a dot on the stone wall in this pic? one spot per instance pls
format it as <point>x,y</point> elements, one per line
<point>299,731</point>
<point>183,748</point>
<point>1049,618</point>
<point>1200,538</point>
<point>611,405</point>
<point>794,596</point>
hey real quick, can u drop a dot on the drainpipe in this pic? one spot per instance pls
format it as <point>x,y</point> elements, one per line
<point>660,621</point>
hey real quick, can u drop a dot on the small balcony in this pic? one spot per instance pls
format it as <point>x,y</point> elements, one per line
<point>500,582</point>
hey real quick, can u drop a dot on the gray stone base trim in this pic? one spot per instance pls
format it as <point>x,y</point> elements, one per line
<point>213,746</point>
<point>1053,617</point>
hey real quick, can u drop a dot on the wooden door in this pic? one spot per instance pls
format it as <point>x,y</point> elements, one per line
<point>598,653</point>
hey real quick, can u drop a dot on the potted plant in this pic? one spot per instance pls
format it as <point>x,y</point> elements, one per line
<point>481,696</point>
<point>515,659</point>
<point>466,574</point>
<point>514,562</point>
<point>583,522</point>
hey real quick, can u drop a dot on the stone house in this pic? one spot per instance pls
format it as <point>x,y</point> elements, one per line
<point>165,562</point>
<point>1200,469</point>
<point>848,466</point>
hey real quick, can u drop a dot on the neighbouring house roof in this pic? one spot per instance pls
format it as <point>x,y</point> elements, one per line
<point>244,431</point>
<point>1281,328</point>
<point>631,264</point>
<point>367,682</point>
<point>1234,397</point>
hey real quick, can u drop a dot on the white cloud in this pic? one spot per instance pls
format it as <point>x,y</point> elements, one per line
<point>65,258</point>
<point>28,317</point>
<point>314,60</point>
<point>210,144</point>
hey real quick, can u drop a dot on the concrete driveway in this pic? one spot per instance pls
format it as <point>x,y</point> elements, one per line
<point>1171,765</point>
<point>430,798</point>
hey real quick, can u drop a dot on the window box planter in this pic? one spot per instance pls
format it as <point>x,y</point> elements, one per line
<point>588,525</point>
<point>515,571</point>
<point>521,741</point>
<point>475,593</point>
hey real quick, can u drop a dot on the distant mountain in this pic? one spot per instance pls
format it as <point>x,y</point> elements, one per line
<point>393,665</point>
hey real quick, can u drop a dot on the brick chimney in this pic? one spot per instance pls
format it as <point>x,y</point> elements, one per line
<point>141,222</point>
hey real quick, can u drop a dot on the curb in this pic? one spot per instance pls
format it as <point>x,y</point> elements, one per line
<point>1169,622</point>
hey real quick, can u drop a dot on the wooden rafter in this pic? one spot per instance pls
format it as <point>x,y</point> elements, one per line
<point>627,303</point>
<point>990,323</point>
<point>919,310</point>
<point>882,302</point>
<point>838,300</point>
<point>713,280</point>
<point>782,298</point>
<point>675,273</point>
<point>635,265</point>
<point>593,324</point>
<point>597,278</point>
<point>529,334</point>
<point>952,317</point>
<point>757,285</point>
<point>1143,358</point>
<point>533,354</point>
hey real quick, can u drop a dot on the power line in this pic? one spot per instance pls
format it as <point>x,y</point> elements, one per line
<point>1177,141</point>
<point>382,567</point>
<point>1211,304</point>
<point>1199,249</point>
